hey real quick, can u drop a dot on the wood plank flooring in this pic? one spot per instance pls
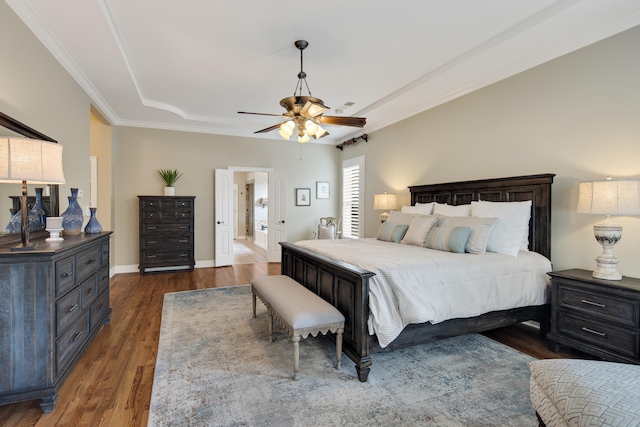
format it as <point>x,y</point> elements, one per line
<point>111,384</point>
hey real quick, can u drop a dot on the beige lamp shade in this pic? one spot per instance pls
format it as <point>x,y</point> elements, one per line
<point>32,160</point>
<point>385,202</point>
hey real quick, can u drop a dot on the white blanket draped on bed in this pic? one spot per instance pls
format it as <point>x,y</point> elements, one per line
<point>416,285</point>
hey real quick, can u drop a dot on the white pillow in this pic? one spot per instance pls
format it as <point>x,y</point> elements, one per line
<point>512,228</point>
<point>450,210</point>
<point>419,208</point>
<point>480,230</point>
<point>418,230</point>
<point>400,218</point>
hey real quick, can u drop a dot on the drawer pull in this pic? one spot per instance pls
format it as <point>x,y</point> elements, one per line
<point>76,336</point>
<point>151,227</point>
<point>73,307</point>
<point>183,227</point>
<point>100,307</point>
<point>597,304</point>
<point>151,256</point>
<point>591,331</point>
<point>91,261</point>
<point>152,242</point>
<point>66,274</point>
<point>90,290</point>
<point>183,240</point>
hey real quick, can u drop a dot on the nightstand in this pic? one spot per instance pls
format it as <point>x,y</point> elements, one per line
<point>598,317</point>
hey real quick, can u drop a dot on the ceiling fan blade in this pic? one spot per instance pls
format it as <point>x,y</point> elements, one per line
<point>342,121</point>
<point>269,129</point>
<point>260,114</point>
<point>313,109</point>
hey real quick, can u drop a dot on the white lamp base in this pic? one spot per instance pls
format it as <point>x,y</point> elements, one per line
<point>54,235</point>
<point>607,234</point>
<point>384,216</point>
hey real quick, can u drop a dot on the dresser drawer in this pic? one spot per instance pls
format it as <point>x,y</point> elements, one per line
<point>160,228</point>
<point>65,269</point>
<point>104,255</point>
<point>99,309</point>
<point>88,262</point>
<point>89,290</point>
<point>182,255</point>
<point>67,309</point>
<point>617,310</point>
<point>103,279</point>
<point>166,244</point>
<point>618,340</point>
<point>69,343</point>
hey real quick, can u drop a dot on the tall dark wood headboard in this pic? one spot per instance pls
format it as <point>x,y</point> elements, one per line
<point>536,188</point>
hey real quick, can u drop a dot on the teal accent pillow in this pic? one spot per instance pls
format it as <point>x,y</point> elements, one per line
<point>390,232</point>
<point>450,239</point>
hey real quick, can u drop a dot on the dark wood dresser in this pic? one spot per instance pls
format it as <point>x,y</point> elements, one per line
<point>53,301</point>
<point>598,317</point>
<point>166,233</point>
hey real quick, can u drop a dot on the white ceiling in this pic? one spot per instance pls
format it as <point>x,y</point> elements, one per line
<point>193,64</point>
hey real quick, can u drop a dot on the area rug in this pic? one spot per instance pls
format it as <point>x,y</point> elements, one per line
<point>217,367</point>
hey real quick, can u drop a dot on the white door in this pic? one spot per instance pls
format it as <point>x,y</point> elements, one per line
<point>277,214</point>
<point>223,217</point>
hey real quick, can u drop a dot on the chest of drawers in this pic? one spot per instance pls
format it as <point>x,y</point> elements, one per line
<point>53,301</point>
<point>166,230</point>
<point>598,317</point>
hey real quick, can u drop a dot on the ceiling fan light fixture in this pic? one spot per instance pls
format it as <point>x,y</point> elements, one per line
<point>311,127</point>
<point>313,109</point>
<point>304,138</point>
<point>286,129</point>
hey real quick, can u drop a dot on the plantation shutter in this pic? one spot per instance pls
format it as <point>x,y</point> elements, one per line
<point>352,198</point>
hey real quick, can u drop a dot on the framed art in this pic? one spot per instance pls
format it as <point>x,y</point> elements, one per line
<point>303,197</point>
<point>322,189</point>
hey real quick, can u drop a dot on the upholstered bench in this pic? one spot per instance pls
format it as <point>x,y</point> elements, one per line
<point>300,311</point>
<point>573,392</point>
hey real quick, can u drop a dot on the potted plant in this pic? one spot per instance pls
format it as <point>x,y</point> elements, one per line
<point>169,176</point>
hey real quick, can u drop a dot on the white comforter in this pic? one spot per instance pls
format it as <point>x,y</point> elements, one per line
<point>416,285</point>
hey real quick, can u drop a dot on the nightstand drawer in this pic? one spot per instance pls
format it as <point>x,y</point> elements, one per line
<point>617,310</point>
<point>621,341</point>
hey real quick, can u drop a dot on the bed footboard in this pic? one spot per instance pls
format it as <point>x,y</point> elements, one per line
<point>343,285</point>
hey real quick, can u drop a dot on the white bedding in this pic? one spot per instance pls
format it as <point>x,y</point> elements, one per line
<point>416,285</point>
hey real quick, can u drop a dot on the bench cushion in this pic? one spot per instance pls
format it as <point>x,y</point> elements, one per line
<point>298,306</point>
<point>573,392</point>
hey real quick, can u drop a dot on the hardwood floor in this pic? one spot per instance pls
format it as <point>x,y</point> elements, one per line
<point>111,384</point>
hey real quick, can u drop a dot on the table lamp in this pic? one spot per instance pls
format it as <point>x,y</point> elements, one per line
<point>385,202</point>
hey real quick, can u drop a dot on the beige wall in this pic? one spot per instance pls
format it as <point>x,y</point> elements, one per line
<point>100,147</point>
<point>36,90</point>
<point>577,116</point>
<point>140,152</point>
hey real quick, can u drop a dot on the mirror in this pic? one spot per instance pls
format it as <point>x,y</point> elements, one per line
<point>53,206</point>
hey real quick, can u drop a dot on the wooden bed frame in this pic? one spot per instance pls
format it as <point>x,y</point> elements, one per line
<point>347,286</point>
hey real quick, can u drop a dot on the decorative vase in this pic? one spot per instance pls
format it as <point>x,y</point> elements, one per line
<point>14,222</point>
<point>169,191</point>
<point>38,214</point>
<point>93,226</point>
<point>72,218</point>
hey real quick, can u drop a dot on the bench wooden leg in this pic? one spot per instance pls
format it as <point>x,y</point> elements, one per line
<point>270,323</point>
<point>253,300</point>
<point>339,347</point>
<point>296,356</point>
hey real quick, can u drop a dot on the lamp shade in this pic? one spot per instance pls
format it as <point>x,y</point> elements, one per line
<point>609,198</point>
<point>385,202</point>
<point>32,160</point>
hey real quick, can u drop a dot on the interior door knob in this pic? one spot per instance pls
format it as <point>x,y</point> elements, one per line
<point>220,222</point>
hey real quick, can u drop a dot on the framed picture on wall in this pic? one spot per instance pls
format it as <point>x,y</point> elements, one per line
<point>303,197</point>
<point>322,190</point>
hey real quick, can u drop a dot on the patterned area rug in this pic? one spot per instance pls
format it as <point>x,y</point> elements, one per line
<point>217,367</point>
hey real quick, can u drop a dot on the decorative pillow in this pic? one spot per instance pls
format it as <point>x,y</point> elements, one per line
<point>450,210</point>
<point>419,208</point>
<point>390,232</point>
<point>418,230</point>
<point>448,239</point>
<point>512,228</point>
<point>327,231</point>
<point>480,230</point>
<point>400,218</point>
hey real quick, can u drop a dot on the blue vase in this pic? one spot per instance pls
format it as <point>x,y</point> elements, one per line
<point>38,214</point>
<point>73,217</point>
<point>93,226</point>
<point>14,222</point>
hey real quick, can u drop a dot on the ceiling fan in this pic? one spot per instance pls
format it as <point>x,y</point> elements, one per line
<point>305,114</point>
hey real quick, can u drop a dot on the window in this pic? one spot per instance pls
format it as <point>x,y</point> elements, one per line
<point>353,198</point>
